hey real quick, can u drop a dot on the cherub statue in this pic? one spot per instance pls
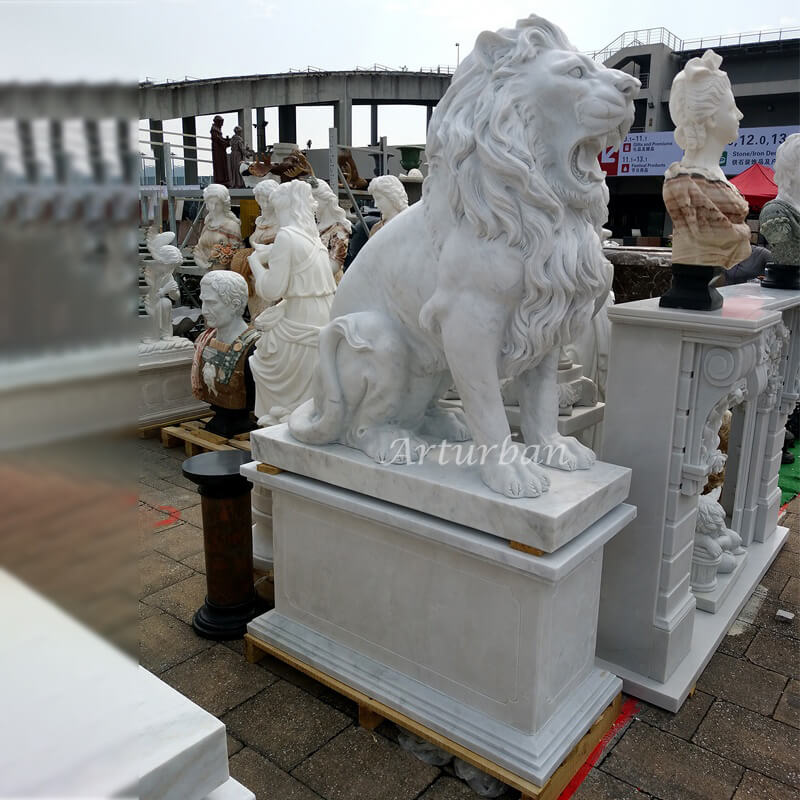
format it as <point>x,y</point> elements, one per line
<point>161,284</point>
<point>390,197</point>
<point>300,276</point>
<point>707,210</point>
<point>221,233</point>
<point>715,544</point>
<point>780,218</point>
<point>333,226</point>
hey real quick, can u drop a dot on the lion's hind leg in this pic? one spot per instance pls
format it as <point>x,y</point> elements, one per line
<point>440,422</point>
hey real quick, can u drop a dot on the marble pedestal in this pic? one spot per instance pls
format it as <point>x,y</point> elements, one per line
<point>84,720</point>
<point>400,582</point>
<point>672,374</point>
<point>165,384</point>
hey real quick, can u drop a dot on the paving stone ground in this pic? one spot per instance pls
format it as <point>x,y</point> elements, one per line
<point>736,738</point>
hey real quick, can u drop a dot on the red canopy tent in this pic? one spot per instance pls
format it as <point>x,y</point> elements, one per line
<point>757,184</point>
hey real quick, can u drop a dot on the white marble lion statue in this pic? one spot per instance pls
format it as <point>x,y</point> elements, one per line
<point>498,265</point>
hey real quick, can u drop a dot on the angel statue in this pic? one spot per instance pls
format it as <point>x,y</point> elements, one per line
<point>162,288</point>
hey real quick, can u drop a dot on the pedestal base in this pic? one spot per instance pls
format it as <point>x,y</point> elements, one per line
<point>533,756</point>
<point>690,288</point>
<point>471,635</point>
<point>781,276</point>
<point>712,601</point>
<point>223,622</point>
<point>709,630</point>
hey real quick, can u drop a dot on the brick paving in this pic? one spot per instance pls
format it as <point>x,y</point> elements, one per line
<point>737,738</point>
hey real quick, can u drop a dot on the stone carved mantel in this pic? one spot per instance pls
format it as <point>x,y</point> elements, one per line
<point>654,631</point>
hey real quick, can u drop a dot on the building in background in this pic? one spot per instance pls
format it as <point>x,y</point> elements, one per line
<point>764,69</point>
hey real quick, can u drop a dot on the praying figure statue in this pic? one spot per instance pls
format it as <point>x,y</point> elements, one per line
<point>300,277</point>
<point>239,152</point>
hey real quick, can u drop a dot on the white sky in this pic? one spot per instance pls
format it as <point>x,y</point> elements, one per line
<point>64,40</point>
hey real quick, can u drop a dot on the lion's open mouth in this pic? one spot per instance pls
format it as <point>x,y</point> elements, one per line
<point>583,158</point>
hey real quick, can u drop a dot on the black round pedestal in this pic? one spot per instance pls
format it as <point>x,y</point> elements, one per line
<point>228,541</point>
<point>781,276</point>
<point>690,288</point>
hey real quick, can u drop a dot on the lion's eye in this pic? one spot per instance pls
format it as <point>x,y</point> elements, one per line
<point>576,72</point>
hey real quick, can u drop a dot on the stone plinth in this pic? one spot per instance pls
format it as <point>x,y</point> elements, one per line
<point>445,622</point>
<point>92,723</point>
<point>165,385</point>
<point>640,272</point>
<point>672,375</point>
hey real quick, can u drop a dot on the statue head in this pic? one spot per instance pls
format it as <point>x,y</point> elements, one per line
<point>389,194</point>
<point>224,297</point>
<point>237,130</point>
<point>328,209</point>
<point>702,106</point>
<point>218,120</point>
<point>787,169</point>
<point>262,191</point>
<point>217,198</point>
<point>295,205</point>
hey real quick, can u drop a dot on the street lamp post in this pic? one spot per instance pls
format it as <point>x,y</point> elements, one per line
<point>458,55</point>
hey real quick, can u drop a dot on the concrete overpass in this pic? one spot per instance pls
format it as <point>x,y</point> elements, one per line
<point>342,90</point>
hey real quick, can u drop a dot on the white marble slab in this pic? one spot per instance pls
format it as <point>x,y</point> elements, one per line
<point>84,720</point>
<point>708,632</point>
<point>532,756</point>
<point>455,492</point>
<point>231,790</point>
<point>582,417</point>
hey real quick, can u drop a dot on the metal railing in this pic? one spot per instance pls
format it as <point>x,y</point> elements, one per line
<point>650,36</point>
<point>752,37</point>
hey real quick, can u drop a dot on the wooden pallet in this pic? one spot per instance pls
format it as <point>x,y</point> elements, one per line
<point>198,440</point>
<point>372,712</point>
<point>154,429</point>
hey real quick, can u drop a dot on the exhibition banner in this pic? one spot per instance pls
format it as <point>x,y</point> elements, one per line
<point>652,153</point>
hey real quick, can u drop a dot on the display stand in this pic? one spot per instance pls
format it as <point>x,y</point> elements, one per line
<point>482,609</point>
<point>672,375</point>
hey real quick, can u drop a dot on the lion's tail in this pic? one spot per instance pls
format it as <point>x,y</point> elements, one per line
<point>322,420</point>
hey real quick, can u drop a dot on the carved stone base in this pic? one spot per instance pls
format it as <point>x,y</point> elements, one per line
<point>711,601</point>
<point>690,288</point>
<point>781,276</point>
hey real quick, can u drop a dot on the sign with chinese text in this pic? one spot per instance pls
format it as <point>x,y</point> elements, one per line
<point>652,153</point>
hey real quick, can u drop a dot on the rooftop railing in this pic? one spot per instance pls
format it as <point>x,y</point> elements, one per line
<point>651,36</point>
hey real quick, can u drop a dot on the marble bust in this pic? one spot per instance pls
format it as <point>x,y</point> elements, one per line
<point>780,218</point>
<point>333,226</point>
<point>484,278</point>
<point>221,228</point>
<point>220,370</point>
<point>390,197</point>
<point>162,288</point>
<point>300,277</point>
<point>707,211</point>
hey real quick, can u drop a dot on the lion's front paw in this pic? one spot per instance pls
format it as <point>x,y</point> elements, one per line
<point>515,476</point>
<point>564,452</point>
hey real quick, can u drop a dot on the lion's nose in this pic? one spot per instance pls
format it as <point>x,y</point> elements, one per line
<point>627,84</point>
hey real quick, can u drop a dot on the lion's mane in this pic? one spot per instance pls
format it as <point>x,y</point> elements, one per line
<point>483,167</point>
